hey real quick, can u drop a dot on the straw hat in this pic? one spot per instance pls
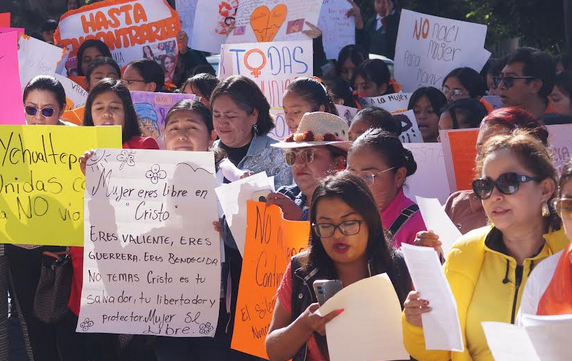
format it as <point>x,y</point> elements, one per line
<point>317,129</point>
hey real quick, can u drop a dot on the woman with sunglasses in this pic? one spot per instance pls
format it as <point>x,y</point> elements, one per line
<point>379,158</point>
<point>488,268</point>
<point>347,243</point>
<point>318,148</point>
<point>44,101</point>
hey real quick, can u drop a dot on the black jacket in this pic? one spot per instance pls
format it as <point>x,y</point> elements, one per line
<point>380,41</point>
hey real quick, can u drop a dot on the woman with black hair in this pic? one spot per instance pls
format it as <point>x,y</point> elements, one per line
<point>374,117</point>
<point>372,79</point>
<point>427,103</point>
<point>560,102</point>
<point>44,101</point>
<point>350,57</point>
<point>99,69</point>
<point>462,114</point>
<point>88,51</point>
<point>202,85</point>
<point>144,75</point>
<point>462,83</point>
<point>347,243</point>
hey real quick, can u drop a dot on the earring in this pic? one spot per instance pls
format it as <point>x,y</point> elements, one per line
<point>255,128</point>
<point>545,209</point>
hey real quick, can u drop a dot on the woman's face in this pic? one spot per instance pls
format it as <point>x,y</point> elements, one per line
<point>486,131</point>
<point>454,90</point>
<point>340,248</point>
<point>107,109</point>
<point>232,124</point>
<point>347,70</point>
<point>491,85</point>
<point>88,56</point>
<point>294,108</point>
<point>365,162</point>
<point>190,89</point>
<point>101,72</point>
<point>427,119</point>
<point>560,102</point>
<point>169,64</point>
<point>135,82</point>
<point>308,175</point>
<point>566,192</point>
<point>186,130</point>
<point>446,121</point>
<point>517,211</point>
<point>39,101</point>
<point>358,127</point>
<point>366,88</point>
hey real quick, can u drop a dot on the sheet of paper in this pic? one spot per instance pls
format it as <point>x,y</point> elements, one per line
<point>509,342</point>
<point>76,96</point>
<point>11,99</point>
<point>151,254</point>
<point>20,31</point>
<point>441,326</point>
<point>346,113</point>
<point>559,143</point>
<point>392,103</point>
<point>410,129</point>
<point>215,18</point>
<point>338,30</point>
<point>550,335</point>
<point>233,198</point>
<point>187,10</point>
<point>37,57</point>
<point>430,179</point>
<point>438,221</point>
<point>370,328</point>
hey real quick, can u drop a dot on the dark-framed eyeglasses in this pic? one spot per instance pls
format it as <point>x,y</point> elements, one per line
<point>46,112</point>
<point>508,81</point>
<point>306,155</point>
<point>347,228</point>
<point>507,183</point>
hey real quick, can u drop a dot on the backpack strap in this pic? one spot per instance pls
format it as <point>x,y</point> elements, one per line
<point>400,221</point>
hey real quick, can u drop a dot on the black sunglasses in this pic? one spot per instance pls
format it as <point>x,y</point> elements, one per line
<point>46,112</point>
<point>506,183</point>
<point>508,81</point>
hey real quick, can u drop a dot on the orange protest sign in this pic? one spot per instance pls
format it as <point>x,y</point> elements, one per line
<point>4,20</point>
<point>464,151</point>
<point>270,242</point>
<point>266,23</point>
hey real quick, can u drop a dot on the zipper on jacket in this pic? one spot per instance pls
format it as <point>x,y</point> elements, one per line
<point>517,281</point>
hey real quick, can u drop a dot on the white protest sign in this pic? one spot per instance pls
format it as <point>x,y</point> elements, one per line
<point>397,102</point>
<point>338,30</point>
<point>214,19</point>
<point>410,132</point>
<point>559,140</point>
<point>430,180</point>
<point>36,57</point>
<point>274,20</point>
<point>76,96</point>
<point>429,47</point>
<point>281,130</point>
<point>346,113</point>
<point>151,256</point>
<point>187,10</point>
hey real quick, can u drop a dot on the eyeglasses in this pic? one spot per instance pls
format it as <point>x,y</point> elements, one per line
<point>131,81</point>
<point>369,177</point>
<point>454,93</point>
<point>347,228</point>
<point>563,207</point>
<point>507,183</point>
<point>306,155</point>
<point>46,112</point>
<point>508,81</point>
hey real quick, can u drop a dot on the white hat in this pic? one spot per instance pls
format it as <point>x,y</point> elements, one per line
<point>318,128</point>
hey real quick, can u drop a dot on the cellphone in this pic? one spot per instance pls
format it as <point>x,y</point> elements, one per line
<point>326,289</point>
<point>260,196</point>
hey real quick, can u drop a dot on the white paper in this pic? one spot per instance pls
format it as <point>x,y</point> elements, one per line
<point>494,100</point>
<point>559,142</point>
<point>213,20</point>
<point>233,197</point>
<point>397,102</point>
<point>151,255</point>
<point>438,221</point>
<point>338,30</point>
<point>509,342</point>
<point>347,113</point>
<point>36,57</point>
<point>550,335</point>
<point>430,180</point>
<point>187,10</point>
<point>410,131</point>
<point>441,326</point>
<point>369,328</point>
<point>76,96</point>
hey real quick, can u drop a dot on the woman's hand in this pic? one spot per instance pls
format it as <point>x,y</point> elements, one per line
<point>429,239</point>
<point>315,322</point>
<point>217,227</point>
<point>290,209</point>
<point>414,307</point>
<point>183,39</point>
<point>355,12</point>
<point>84,158</point>
<point>314,31</point>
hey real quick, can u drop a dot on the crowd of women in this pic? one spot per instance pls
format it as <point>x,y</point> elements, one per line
<point>348,181</point>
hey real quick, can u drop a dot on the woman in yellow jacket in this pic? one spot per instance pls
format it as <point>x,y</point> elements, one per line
<point>488,267</point>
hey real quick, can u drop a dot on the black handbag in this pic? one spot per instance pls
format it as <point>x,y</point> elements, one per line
<point>54,287</point>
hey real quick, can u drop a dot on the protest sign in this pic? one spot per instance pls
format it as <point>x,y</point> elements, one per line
<point>338,30</point>
<point>151,255</point>
<point>346,113</point>
<point>36,57</point>
<point>11,99</point>
<point>131,29</point>
<point>5,20</point>
<point>76,96</point>
<point>19,31</point>
<point>397,102</point>
<point>430,178</point>
<point>187,10</point>
<point>273,20</point>
<point>216,16</point>
<point>281,130</point>
<point>559,142</point>
<point>270,243</point>
<point>429,47</point>
<point>460,151</point>
<point>152,109</point>
<point>41,185</point>
<point>410,130</point>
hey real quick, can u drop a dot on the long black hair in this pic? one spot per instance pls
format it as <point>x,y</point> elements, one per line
<point>47,83</point>
<point>91,43</point>
<point>470,79</point>
<point>150,71</point>
<point>314,93</point>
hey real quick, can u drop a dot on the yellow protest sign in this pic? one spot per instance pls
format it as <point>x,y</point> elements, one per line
<point>41,185</point>
<point>270,242</point>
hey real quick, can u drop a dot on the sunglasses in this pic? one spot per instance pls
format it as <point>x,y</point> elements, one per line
<point>46,112</point>
<point>563,207</point>
<point>507,183</point>
<point>508,81</point>
<point>306,155</point>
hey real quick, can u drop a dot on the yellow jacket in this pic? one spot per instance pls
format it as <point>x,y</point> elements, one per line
<point>463,268</point>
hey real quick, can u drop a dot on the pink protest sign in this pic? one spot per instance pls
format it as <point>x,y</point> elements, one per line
<point>20,31</point>
<point>11,99</point>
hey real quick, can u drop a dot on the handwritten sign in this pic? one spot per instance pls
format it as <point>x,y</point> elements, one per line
<point>76,96</point>
<point>36,57</point>
<point>131,29</point>
<point>559,142</point>
<point>11,100</point>
<point>270,243</point>
<point>273,20</point>
<point>41,185</point>
<point>152,109</point>
<point>430,180</point>
<point>338,30</point>
<point>429,47</point>
<point>410,130</point>
<point>397,102</point>
<point>346,113</point>
<point>187,10</point>
<point>215,18</point>
<point>151,255</point>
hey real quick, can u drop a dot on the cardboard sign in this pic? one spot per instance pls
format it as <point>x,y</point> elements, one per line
<point>270,243</point>
<point>131,29</point>
<point>41,185</point>
<point>430,180</point>
<point>187,10</point>
<point>410,130</point>
<point>214,20</point>
<point>152,109</point>
<point>338,30</point>
<point>19,31</point>
<point>36,57</point>
<point>429,47</point>
<point>274,20</point>
<point>460,151</point>
<point>5,20</point>
<point>76,96</point>
<point>397,102</point>
<point>151,255</point>
<point>560,145</point>
<point>11,99</point>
